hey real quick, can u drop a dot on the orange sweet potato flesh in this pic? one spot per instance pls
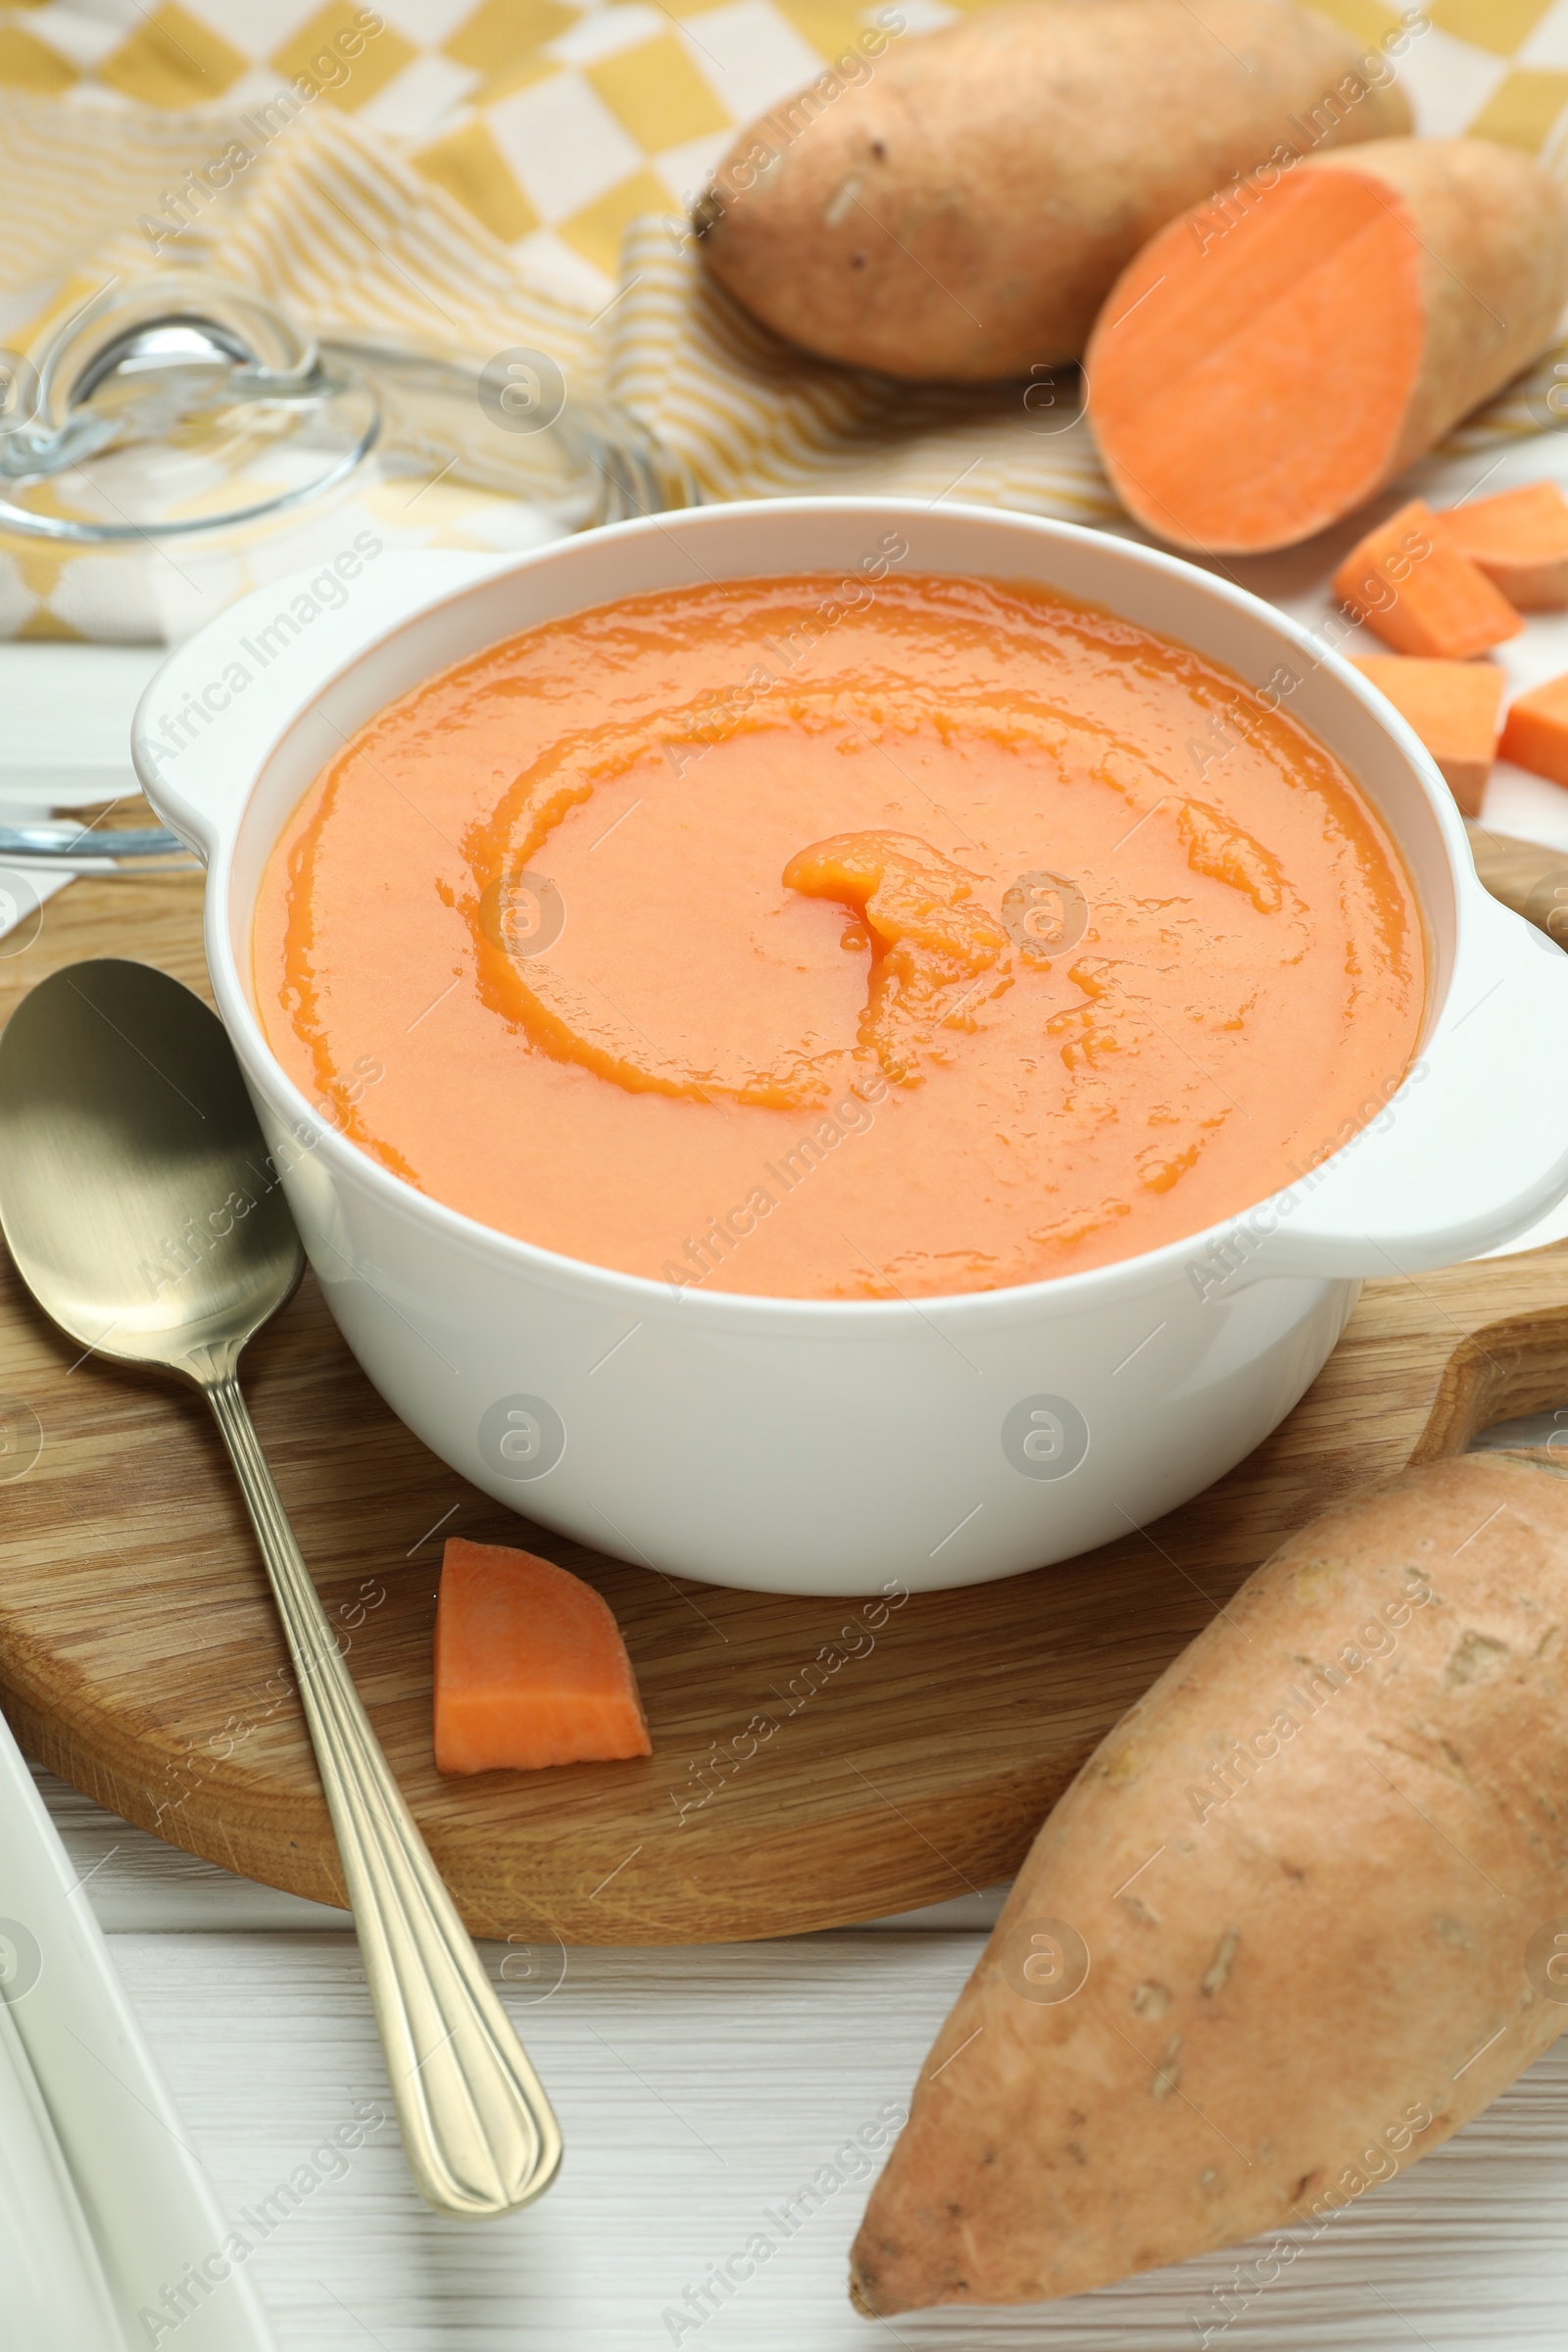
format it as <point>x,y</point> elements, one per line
<point>1520,540</point>
<point>1535,734</point>
<point>1418,594</point>
<point>1313,1874</point>
<point>1270,361</point>
<point>530,1668</point>
<point>1453,707</point>
<point>956,205</point>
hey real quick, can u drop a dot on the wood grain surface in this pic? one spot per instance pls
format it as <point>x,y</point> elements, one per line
<point>811,1766</point>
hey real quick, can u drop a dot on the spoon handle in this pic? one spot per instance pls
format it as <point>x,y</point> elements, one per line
<point>477,2129</point>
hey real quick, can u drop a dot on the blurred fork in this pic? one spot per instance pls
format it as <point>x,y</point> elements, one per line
<point>60,843</point>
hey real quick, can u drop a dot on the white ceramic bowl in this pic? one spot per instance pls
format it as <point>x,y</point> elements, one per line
<point>810,1445</point>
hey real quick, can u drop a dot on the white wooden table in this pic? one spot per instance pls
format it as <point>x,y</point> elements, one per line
<point>700,2089</point>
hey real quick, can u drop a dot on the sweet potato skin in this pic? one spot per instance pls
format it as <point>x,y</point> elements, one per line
<point>1295,1988</point>
<point>962,212</point>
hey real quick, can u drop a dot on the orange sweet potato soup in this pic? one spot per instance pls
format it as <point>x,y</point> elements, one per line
<point>777,936</point>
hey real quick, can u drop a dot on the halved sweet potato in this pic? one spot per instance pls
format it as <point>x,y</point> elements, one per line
<point>1273,358</point>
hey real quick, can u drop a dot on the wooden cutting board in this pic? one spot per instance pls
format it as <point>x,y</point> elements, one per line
<point>810,1766</point>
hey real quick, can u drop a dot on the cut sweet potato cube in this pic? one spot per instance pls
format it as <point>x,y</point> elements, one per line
<point>1520,540</point>
<point>1419,594</point>
<point>1453,707</point>
<point>1535,734</point>
<point>530,1668</point>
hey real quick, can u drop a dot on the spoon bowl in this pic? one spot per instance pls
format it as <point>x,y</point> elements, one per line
<point>145,1215</point>
<point>119,1091</point>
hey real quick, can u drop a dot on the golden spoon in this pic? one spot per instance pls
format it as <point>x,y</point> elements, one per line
<point>127,1143</point>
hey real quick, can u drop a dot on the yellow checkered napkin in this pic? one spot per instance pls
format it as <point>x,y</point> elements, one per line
<point>489,173</point>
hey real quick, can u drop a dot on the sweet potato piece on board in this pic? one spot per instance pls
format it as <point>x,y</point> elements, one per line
<point>1453,707</point>
<point>1419,594</point>
<point>1268,362</point>
<point>1520,540</point>
<point>956,205</point>
<point>1534,733</point>
<point>530,1668</point>
<point>1292,1923</point>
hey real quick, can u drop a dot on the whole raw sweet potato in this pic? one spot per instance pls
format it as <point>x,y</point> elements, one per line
<point>959,205</point>
<point>1302,1913</point>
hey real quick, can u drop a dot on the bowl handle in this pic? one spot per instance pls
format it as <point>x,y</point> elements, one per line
<point>1469,1152</point>
<point>212,715</point>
